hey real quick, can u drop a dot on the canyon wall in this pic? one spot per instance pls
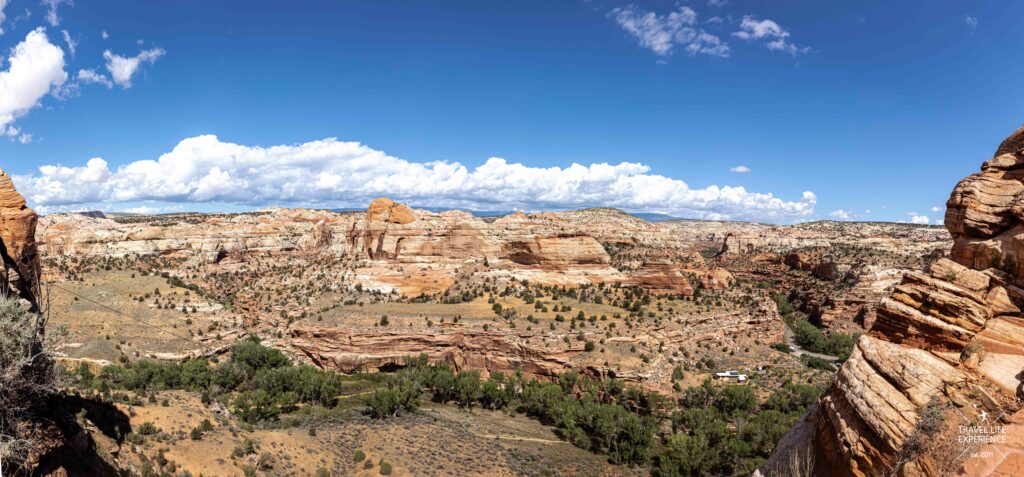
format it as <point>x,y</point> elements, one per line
<point>391,244</point>
<point>349,351</point>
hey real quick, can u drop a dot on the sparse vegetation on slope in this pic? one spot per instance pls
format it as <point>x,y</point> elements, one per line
<point>266,384</point>
<point>27,378</point>
<point>716,430</point>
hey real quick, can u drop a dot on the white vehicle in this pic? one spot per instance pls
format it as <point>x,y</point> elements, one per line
<point>731,375</point>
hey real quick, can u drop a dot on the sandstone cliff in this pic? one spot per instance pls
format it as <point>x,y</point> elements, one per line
<point>18,244</point>
<point>946,349</point>
<point>349,351</point>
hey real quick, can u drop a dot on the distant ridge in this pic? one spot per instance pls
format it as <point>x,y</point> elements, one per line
<point>491,214</point>
<point>654,217</point>
<point>476,213</point>
<point>648,216</point>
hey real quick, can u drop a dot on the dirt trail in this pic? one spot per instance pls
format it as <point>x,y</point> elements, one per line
<point>517,438</point>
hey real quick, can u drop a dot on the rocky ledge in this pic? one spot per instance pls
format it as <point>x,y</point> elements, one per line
<point>350,351</point>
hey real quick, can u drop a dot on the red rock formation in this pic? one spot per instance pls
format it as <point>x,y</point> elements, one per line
<point>984,212</point>
<point>386,210</point>
<point>18,244</point>
<point>555,251</point>
<point>953,336</point>
<point>663,278</point>
<point>348,351</point>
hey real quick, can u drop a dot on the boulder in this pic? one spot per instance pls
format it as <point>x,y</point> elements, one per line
<point>387,210</point>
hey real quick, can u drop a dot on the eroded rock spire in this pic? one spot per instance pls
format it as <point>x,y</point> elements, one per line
<point>18,245</point>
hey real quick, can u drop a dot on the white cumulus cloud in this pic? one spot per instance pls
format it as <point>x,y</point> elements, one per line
<point>739,169</point>
<point>662,33</point>
<point>773,36</point>
<point>840,214</point>
<point>333,173</point>
<point>122,68</point>
<point>919,219</point>
<point>971,22</point>
<point>36,67</point>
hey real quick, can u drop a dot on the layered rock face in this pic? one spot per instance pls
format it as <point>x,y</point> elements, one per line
<point>203,235</point>
<point>949,341</point>
<point>349,351</point>
<point>395,232</point>
<point>984,212</point>
<point>18,244</point>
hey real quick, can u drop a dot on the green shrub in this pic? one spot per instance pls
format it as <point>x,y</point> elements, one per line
<point>468,388</point>
<point>133,438</point>
<point>792,398</point>
<point>399,395</point>
<point>785,348</point>
<point>815,362</point>
<point>736,399</point>
<point>147,428</point>
<point>266,461</point>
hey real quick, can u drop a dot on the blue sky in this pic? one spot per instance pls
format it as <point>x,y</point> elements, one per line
<point>870,106</point>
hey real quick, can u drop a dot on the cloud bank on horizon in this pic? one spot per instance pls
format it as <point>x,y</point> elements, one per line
<point>333,173</point>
